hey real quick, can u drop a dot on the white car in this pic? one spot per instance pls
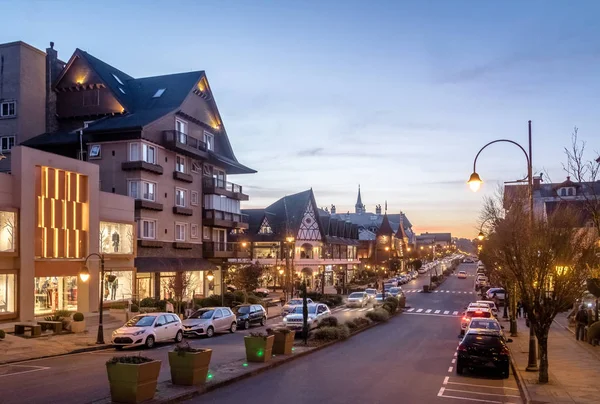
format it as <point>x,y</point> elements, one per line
<point>485,324</point>
<point>500,293</point>
<point>357,299</point>
<point>491,305</point>
<point>481,281</point>
<point>462,275</point>
<point>473,312</point>
<point>209,320</point>
<point>371,293</point>
<point>316,312</point>
<point>292,304</point>
<point>147,329</point>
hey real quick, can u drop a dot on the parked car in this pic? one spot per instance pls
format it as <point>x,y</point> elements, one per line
<point>462,275</point>
<point>371,293</point>
<point>500,293</point>
<point>392,281</point>
<point>209,320</point>
<point>491,305</point>
<point>483,349</point>
<point>147,329</point>
<point>481,281</point>
<point>248,314</point>
<point>357,299</point>
<point>316,312</point>
<point>484,324</point>
<point>474,312</point>
<point>262,292</point>
<point>291,304</point>
<point>468,261</point>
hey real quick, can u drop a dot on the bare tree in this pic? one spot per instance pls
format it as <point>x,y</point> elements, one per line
<point>179,287</point>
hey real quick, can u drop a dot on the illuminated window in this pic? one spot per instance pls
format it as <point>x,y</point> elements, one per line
<point>180,197</point>
<point>7,231</point>
<point>95,151</point>
<point>180,164</point>
<point>116,238</point>
<point>209,139</point>
<point>7,293</point>
<point>180,230</point>
<point>148,228</point>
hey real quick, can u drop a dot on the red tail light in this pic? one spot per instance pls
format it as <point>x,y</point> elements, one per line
<point>465,319</point>
<point>462,348</point>
<point>505,351</point>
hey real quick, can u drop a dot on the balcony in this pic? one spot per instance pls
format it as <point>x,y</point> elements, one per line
<point>141,165</point>
<point>180,210</point>
<point>218,218</point>
<point>144,204</point>
<point>185,144</point>
<point>182,177</point>
<point>221,187</point>
<point>213,249</point>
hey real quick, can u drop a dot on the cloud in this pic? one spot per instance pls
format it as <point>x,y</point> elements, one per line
<point>311,152</point>
<point>322,152</point>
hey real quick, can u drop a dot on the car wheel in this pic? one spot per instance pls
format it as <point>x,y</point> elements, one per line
<point>246,324</point>
<point>149,341</point>
<point>119,347</point>
<point>179,336</point>
<point>459,368</point>
<point>233,327</point>
<point>263,321</point>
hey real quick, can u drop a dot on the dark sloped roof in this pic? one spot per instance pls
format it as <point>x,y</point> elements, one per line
<point>385,229</point>
<point>53,139</point>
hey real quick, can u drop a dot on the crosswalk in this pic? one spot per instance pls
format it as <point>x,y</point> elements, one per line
<point>441,291</point>
<point>438,312</point>
<point>347,309</point>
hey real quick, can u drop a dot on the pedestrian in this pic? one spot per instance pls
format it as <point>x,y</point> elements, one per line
<point>495,299</point>
<point>581,320</point>
<point>519,308</point>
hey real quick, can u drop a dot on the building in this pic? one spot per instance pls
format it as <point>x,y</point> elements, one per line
<point>24,94</point>
<point>52,216</point>
<point>161,141</point>
<point>312,244</point>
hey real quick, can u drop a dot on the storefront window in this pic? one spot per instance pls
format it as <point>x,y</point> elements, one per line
<point>189,284</point>
<point>118,285</point>
<point>266,250</point>
<point>144,285</point>
<point>7,231</point>
<point>116,238</point>
<point>55,293</point>
<point>7,293</point>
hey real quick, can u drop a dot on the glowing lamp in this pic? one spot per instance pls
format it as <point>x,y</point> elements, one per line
<point>210,276</point>
<point>84,274</point>
<point>474,182</point>
<point>480,236</point>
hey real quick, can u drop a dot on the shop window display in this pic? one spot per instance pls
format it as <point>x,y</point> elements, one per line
<point>118,285</point>
<point>55,293</point>
<point>144,286</point>
<point>190,284</point>
<point>7,231</point>
<point>116,238</point>
<point>7,293</point>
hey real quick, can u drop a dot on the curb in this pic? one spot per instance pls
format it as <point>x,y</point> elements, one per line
<point>520,381</point>
<point>566,328</point>
<point>75,351</point>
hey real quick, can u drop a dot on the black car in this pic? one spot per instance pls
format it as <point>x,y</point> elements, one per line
<point>248,314</point>
<point>483,349</point>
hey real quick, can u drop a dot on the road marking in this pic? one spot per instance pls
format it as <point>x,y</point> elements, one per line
<point>420,310</point>
<point>437,311</point>
<point>441,392</point>
<point>435,291</point>
<point>455,354</point>
<point>447,291</point>
<point>431,314</point>
<point>450,369</point>
<point>454,291</point>
<point>411,309</point>
<point>455,313</point>
<point>453,360</point>
<point>482,394</point>
<point>346,310</point>
<point>483,385</point>
<point>446,312</point>
<point>471,399</point>
<point>446,379</point>
<point>363,309</point>
<point>35,369</point>
<point>419,291</point>
<point>428,311</point>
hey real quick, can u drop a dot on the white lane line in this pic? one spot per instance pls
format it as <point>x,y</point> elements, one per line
<point>363,309</point>
<point>453,361</point>
<point>435,291</point>
<point>437,311</point>
<point>35,369</point>
<point>370,309</point>
<point>446,379</point>
<point>431,314</point>
<point>447,291</point>
<point>346,310</point>
<point>483,394</point>
<point>420,310</point>
<point>446,312</point>
<point>450,369</point>
<point>455,354</point>
<point>428,311</point>
<point>419,291</point>
<point>471,399</point>
<point>441,392</point>
<point>455,313</point>
<point>411,309</point>
<point>483,385</point>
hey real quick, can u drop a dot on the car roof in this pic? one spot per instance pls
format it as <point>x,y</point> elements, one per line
<point>486,302</point>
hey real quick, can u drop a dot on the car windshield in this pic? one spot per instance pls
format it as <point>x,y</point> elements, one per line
<point>141,321</point>
<point>203,314</point>
<point>356,295</point>
<point>311,310</point>
<point>395,290</point>
<point>294,302</point>
<point>486,325</point>
<point>462,273</point>
<point>242,309</point>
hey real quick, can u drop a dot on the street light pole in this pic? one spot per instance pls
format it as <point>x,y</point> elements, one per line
<point>84,275</point>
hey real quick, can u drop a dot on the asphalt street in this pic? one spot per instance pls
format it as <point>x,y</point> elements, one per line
<point>410,359</point>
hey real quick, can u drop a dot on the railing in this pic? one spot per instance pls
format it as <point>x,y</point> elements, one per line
<point>215,246</point>
<point>219,183</point>
<point>180,138</point>
<point>220,215</point>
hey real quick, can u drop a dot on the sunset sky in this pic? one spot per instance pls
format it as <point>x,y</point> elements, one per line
<point>395,96</point>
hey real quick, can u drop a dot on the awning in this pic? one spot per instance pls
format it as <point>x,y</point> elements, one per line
<point>158,264</point>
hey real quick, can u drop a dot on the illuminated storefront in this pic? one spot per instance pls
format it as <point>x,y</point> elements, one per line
<point>7,231</point>
<point>191,282</point>
<point>55,293</point>
<point>7,293</point>
<point>116,238</point>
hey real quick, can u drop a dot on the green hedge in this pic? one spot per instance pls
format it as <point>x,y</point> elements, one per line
<point>329,322</point>
<point>378,315</point>
<point>332,333</point>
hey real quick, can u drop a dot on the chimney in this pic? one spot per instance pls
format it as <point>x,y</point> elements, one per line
<point>378,209</point>
<point>537,181</point>
<point>333,209</point>
<point>53,69</point>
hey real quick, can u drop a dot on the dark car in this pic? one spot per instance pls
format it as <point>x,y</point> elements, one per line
<point>483,349</point>
<point>248,314</point>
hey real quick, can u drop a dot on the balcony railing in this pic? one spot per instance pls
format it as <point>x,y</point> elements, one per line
<point>222,187</point>
<point>225,216</point>
<point>214,249</point>
<point>184,143</point>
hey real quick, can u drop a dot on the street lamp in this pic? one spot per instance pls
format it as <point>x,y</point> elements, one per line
<point>475,183</point>
<point>289,241</point>
<point>480,236</point>
<point>210,276</point>
<point>84,275</point>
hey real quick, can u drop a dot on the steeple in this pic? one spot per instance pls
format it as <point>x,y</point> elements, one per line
<point>359,207</point>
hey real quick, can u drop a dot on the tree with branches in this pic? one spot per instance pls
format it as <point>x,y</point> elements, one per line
<point>247,278</point>
<point>179,287</point>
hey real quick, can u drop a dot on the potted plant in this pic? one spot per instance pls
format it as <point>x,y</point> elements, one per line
<point>132,379</point>
<point>2,334</point>
<point>78,323</point>
<point>189,366</point>
<point>283,340</point>
<point>259,347</point>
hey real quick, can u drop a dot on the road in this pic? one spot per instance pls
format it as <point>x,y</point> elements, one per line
<point>410,359</point>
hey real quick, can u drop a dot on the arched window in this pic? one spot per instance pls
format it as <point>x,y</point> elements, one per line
<point>571,192</point>
<point>306,251</point>
<point>563,192</point>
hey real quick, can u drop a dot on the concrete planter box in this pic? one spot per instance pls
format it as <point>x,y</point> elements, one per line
<point>283,343</point>
<point>131,383</point>
<point>78,326</point>
<point>259,349</point>
<point>189,368</point>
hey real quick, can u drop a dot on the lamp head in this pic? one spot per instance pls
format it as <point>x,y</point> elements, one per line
<point>244,244</point>
<point>474,182</point>
<point>84,274</point>
<point>480,236</point>
<point>210,276</point>
<point>289,239</point>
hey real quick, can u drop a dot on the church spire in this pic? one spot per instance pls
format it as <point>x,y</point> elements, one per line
<point>359,207</point>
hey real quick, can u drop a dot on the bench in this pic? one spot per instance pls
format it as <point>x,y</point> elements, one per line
<point>36,329</point>
<point>55,326</point>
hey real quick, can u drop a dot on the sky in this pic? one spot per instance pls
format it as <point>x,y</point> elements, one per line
<point>397,96</point>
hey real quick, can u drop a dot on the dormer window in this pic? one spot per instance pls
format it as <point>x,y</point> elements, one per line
<point>118,79</point>
<point>571,192</point>
<point>563,192</point>
<point>209,139</point>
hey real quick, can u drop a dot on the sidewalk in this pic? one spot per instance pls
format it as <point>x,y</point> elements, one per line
<point>574,368</point>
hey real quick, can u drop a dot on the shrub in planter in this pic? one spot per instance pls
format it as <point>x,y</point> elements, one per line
<point>332,333</point>
<point>259,347</point>
<point>357,323</point>
<point>148,302</point>
<point>2,334</point>
<point>378,315</point>
<point>134,308</point>
<point>78,324</point>
<point>283,341</point>
<point>392,301</point>
<point>388,307</point>
<point>329,322</point>
<point>189,366</point>
<point>434,278</point>
<point>593,332</point>
<point>132,379</point>
<point>254,299</point>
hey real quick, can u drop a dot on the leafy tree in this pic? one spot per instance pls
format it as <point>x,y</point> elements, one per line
<point>179,286</point>
<point>247,278</point>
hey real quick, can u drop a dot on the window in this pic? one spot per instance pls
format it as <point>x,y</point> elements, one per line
<point>7,293</point>
<point>209,139</point>
<point>148,152</point>
<point>207,170</point>
<point>180,231</point>
<point>91,98</point>
<point>118,79</point>
<point>159,92</point>
<point>194,200</point>
<point>116,238</point>
<point>142,190</point>
<point>148,228</point>
<point>180,164</point>
<point>180,197</point>
<point>6,143</point>
<point>206,232</point>
<point>8,108</point>
<point>8,227</point>
<point>95,151</point>
<point>121,90</point>
<point>194,230</point>
<point>563,192</point>
<point>196,166</point>
<point>181,128</point>
<point>571,191</point>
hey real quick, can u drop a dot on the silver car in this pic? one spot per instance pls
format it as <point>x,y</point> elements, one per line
<point>291,304</point>
<point>357,299</point>
<point>209,320</point>
<point>316,312</point>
